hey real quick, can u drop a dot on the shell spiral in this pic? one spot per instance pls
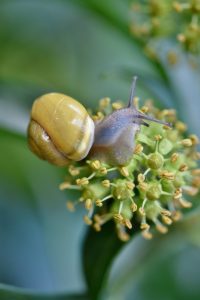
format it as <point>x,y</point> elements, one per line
<point>60,129</point>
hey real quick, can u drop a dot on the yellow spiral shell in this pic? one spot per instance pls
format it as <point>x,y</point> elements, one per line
<point>60,129</point>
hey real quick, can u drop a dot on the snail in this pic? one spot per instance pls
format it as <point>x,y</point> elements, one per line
<point>61,130</point>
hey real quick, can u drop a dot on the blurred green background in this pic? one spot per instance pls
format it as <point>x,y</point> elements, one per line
<point>83,49</point>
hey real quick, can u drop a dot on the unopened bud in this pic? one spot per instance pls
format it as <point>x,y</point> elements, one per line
<point>155,161</point>
<point>186,142</point>
<point>82,181</point>
<point>183,168</point>
<point>174,157</point>
<point>87,220</point>
<point>138,149</point>
<point>88,204</point>
<point>95,165</point>
<point>106,183</point>
<point>124,171</point>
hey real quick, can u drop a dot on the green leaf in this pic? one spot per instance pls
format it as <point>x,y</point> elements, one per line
<point>60,57</point>
<point>10,292</point>
<point>99,250</point>
<point>184,83</point>
<point>140,260</point>
<point>40,240</point>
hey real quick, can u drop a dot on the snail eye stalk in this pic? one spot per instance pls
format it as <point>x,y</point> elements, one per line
<point>132,93</point>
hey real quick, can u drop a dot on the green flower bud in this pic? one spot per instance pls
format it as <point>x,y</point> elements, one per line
<point>179,180</point>
<point>154,191</point>
<point>167,186</point>
<point>126,211</point>
<point>94,191</point>
<point>152,210</point>
<point>120,190</point>
<point>155,161</point>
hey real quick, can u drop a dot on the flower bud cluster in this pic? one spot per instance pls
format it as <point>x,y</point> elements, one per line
<point>156,19</point>
<point>151,190</point>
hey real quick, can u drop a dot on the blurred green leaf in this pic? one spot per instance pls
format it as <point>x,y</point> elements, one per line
<point>139,261</point>
<point>40,239</point>
<point>8,293</point>
<point>71,52</point>
<point>99,249</point>
<point>183,79</point>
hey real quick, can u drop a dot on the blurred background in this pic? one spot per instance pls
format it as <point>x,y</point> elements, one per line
<point>83,49</point>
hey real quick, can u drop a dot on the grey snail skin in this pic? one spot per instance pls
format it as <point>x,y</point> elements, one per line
<point>114,137</point>
<point>61,130</point>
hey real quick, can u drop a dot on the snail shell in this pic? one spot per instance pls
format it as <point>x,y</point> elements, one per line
<point>60,129</point>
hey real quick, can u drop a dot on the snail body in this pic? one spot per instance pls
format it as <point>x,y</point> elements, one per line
<point>61,130</point>
<point>114,137</point>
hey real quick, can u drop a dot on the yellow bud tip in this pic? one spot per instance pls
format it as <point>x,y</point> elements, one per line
<point>104,102</point>
<point>196,182</point>
<point>124,171</point>
<point>130,185</point>
<point>181,38</point>
<point>158,137</point>
<point>134,207</point>
<point>103,171</point>
<point>177,6</point>
<point>141,178</point>
<point>123,236</point>
<point>117,105</point>
<point>196,155</point>
<point>70,206</point>
<point>196,172</point>
<point>95,165</point>
<point>183,168</point>
<point>97,227</point>
<point>87,220</point>
<point>186,142</point>
<point>144,109</point>
<point>184,203</point>
<point>176,216</point>
<point>73,171</point>
<point>161,228</point>
<point>177,194</point>
<point>143,186</point>
<point>106,183</point>
<point>191,190</point>
<point>174,157</point>
<point>147,235</point>
<point>166,220</point>
<point>180,126</point>
<point>166,213</point>
<point>98,117</point>
<point>167,175</point>
<point>64,186</point>
<point>138,149</point>
<point>127,223</point>
<point>82,181</point>
<point>99,203</point>
<point>144,226</point>
<point>88,204</point>
<point>118,217</point>
<point>169,113</point>
<point>194,139</point>
<point>141,211</point>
